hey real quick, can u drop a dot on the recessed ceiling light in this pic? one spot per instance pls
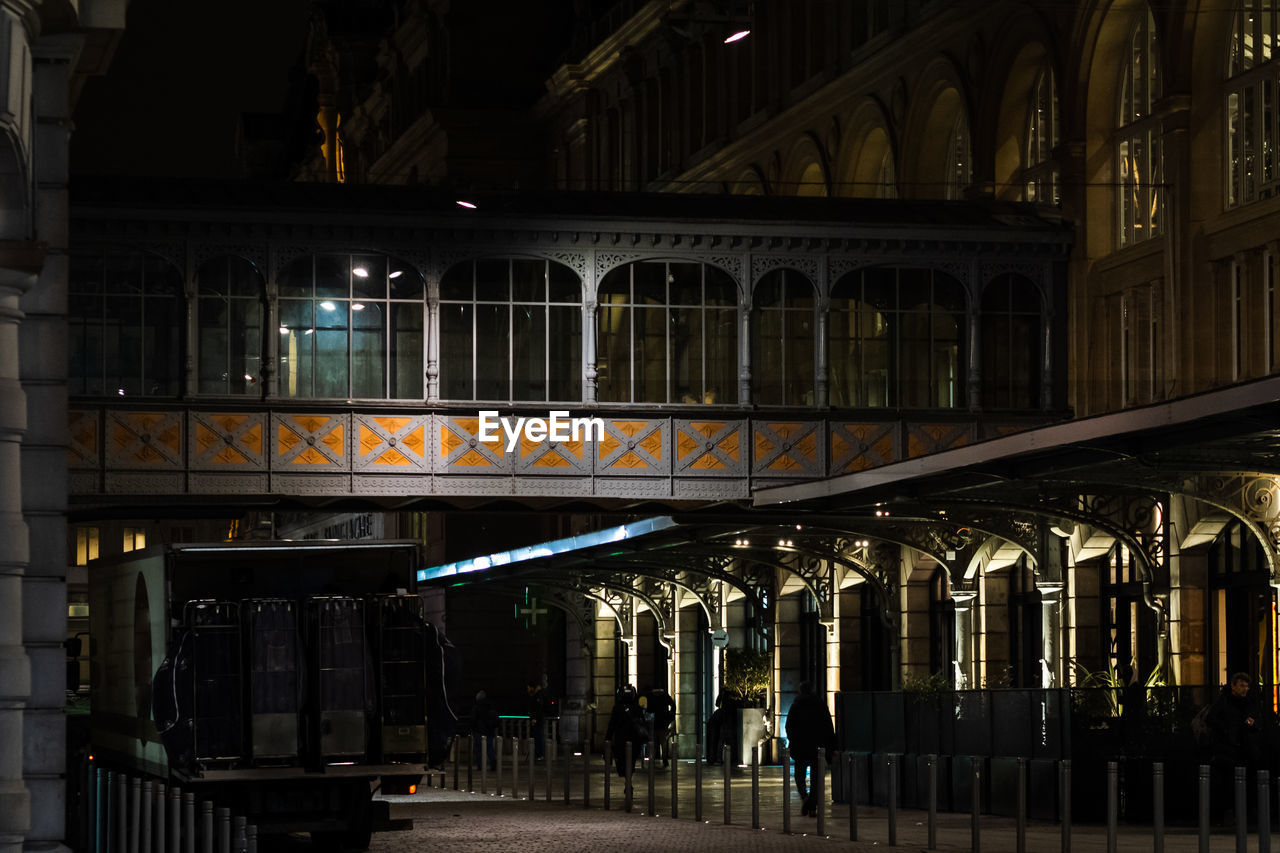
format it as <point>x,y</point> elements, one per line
<point>357,306</point>
<point>738,36</point>
<point>360,272</point>
<point>468,205</point>
<point>396,274</point>
<point>327,305</point>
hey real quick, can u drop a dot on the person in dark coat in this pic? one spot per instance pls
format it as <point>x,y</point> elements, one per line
<point>626,724</point>
<point>716,737</point>
<point>537,711</point>
<point>808,730</point>
<point>484,726</point>
<point>659,703</point>
<point>1238,725</point>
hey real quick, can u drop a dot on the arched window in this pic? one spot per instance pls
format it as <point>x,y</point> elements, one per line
<point>351,327</point>
<point>511,329</point>
<point>1253,86</point>
<point>959,166</point>
<point>1137,141</point>
<point>229,298</point>
<point>1010,344</point>
<point>886,177</point>
<point>782,340</point>
<point>125,324</point>
<point>1040,171</point>
<point>896,338</point>
<point>668,334</point>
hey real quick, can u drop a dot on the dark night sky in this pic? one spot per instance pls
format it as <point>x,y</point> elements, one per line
<point>183,73</point>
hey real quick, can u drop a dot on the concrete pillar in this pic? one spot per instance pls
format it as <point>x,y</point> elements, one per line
<point>43,368</point>
<point>15,673</point>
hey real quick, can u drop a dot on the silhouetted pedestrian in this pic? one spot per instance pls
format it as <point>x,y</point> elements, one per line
<point>808,730</point>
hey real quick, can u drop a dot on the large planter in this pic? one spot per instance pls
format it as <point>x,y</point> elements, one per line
<point>750,726</point>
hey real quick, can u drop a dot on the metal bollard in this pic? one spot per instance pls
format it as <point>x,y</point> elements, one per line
<point>1242,816</point>
<point>755,786</point>
<point>175,819</point>
<point>122,812</point>
<point>144,818</point>
<point>568,773</point>
<point>484,767</point>
<point>1113,804</point>
<point>818,790</point>
<point>515,768</point>
<point>785,760</point>
<point>456,758</point>
<point>586,774</point>
<point>608,771</point>
<point>188,828</point>
<point>206,827</point>
<point>975,807</point>
<point>1157,805</point>
<point>697,786</point>
<point>550,759</point>
<point>135,812</point>
<point>653,763</point>
<point>237,834</point>
<point>1264,811</point>
<point>1064,784</point>
<point>727,756</point>
<point>893,801</point>
<point>673,750</point>
<point>497,752</point>
<point>852,759</point>
<point>99,796</point>
<point>158,833</point>
<point>933,803</point>
<point>224,829</point>
<point>251,839</point>
<point>471,752</point>
<point>628,793</point>
<point>1021,841</point>
<point>1204,808</point>
<point>529,743</point>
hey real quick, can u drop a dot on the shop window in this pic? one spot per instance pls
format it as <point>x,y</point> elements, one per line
<point>783,321</point>
<point>229,312</point>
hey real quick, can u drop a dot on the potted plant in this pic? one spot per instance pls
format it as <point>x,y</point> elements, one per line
<point>747,678</point>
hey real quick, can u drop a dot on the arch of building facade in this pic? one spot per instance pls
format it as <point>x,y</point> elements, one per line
<point>1207,69</point>
<point>863,150</point>
<point>1094,114</point>
<point>939,100</point>
<point>1003,130</point>
<point>805,168</point>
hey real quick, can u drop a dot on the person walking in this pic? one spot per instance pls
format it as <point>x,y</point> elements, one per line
<point>484,726</point>
<point>537,711</point>
<point>626,724</point>
<point>663,709</point>
<point>808,729</point>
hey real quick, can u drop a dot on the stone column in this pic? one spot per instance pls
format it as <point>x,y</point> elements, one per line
<point>43,368</point>
<point>17,276</point>
<point>965,600</point>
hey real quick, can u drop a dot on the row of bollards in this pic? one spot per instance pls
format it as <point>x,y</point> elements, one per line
<point>129,814</point>
<point>844,764</point>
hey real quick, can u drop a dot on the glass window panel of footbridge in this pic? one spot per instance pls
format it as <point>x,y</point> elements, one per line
<point>511,330</point>
<point>668,333</point>
<point>124,324</point>
<point>351,326</point>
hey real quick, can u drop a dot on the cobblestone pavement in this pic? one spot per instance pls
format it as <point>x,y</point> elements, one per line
<point>464,822</point>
